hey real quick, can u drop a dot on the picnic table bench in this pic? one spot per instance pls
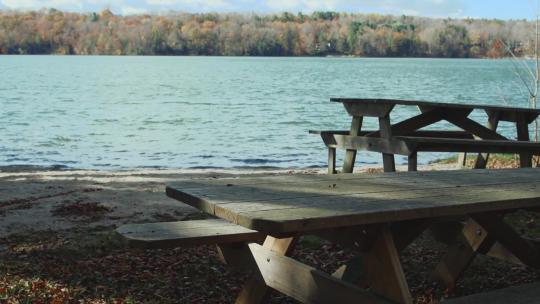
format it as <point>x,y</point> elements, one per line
<point>407,138</point>
<point>378,215</point>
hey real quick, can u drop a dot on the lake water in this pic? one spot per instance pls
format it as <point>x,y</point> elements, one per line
<point>183,112</point>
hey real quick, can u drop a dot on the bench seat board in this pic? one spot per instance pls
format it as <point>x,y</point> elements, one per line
<point>471,145</point>
<point>525,294</point>
<point>186,233</point>
<point>406,145</point>
<point>419,133</point>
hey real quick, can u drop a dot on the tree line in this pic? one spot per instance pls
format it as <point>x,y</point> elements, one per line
<point>317,34</point>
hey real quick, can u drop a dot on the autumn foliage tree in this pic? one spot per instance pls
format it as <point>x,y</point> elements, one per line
<point>285,34</point>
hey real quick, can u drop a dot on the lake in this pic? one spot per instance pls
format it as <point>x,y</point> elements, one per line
<point>193,112</point>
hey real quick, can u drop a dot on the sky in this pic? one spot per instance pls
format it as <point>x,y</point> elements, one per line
<point>501,9</point>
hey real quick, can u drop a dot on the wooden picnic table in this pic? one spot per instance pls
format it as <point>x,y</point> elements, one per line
<point>407,138</point>
<point>377,214</point>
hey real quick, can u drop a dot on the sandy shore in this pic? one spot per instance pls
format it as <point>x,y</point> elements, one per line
<point>33,199</point>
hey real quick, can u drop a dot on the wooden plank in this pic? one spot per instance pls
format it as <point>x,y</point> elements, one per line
<point>368,206</point>
<point>186,233</point>
<point>473,240</point>
<point>384,271</point>
<point>281,191</point>
<point>469,145</point>
<point>411,126</point>
<point>236,255</point>
<point>349,212</point>
<point>471,126</point>
<point>378,101</point>
<point>332,161</point>
<point>300,186</point>
<point>523,249</point>
<point>407,145</point>
<point>203,193</point>
<point>396,132</point>
<point>462,160</point>
<point>352,271</point>
<point>525,158</point>
<point>406,232</point>
<point>412,162</point>
<point>384,274</point>
<point>498,251</point>
<point>241,198</point>
<point>273,179</point>
<point>350,155</point>
<point>513,116</point>
<point>398,195</point>
<point>368,110</point>
<point>385,126</point>
<point>361,238</point>
<point>353,143</point>
<point>255,290</point>
<point>525,294</point>
<point>305,283</point>
<point>493,123</point>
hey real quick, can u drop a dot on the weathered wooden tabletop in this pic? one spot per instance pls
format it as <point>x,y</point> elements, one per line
<point>277,204</point>
<point>435,104</point>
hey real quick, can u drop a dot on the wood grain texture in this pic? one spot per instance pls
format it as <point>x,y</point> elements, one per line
<point>304,283</point>
<point>291,203</point>
<point>255,290</point>
<point>350,155</point>
<point>525,158</point>
<point>376,101</point>
<point>332,161</point>
<point>423,144</point>
<point>525,250</point>
<point>493,124</point>
<point>389,163</point>
<point>384,273</point>
<point>374,144</point>
<point>395,132</point>
<point>525,294</point>
<point>407,145</point>
<point>474,239</point>
<point>186,233</point>
<point>411,125</point>
<point>471,126</point>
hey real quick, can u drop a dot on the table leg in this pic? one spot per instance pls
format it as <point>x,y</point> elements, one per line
<point>384,273</point>
<point>255,290</point>
<point>525,250</point>
<point>305,283</point>
<point>332,161</point>
<point>473,240</point>
<point>482,158</point>
<point>486,234</point>
<point>412,162</point>
<point>525,159</point>
<point>350,155</point>
<point>462,161</point>
<point>386,132</point>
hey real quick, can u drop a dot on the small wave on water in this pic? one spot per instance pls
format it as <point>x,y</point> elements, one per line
<point>262,161</point>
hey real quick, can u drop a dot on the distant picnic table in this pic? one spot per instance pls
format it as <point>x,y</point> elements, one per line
<point>407,138</point>
<point>378,215</point>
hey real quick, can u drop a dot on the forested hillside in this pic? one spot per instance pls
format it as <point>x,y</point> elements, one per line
<point>317,34</point>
